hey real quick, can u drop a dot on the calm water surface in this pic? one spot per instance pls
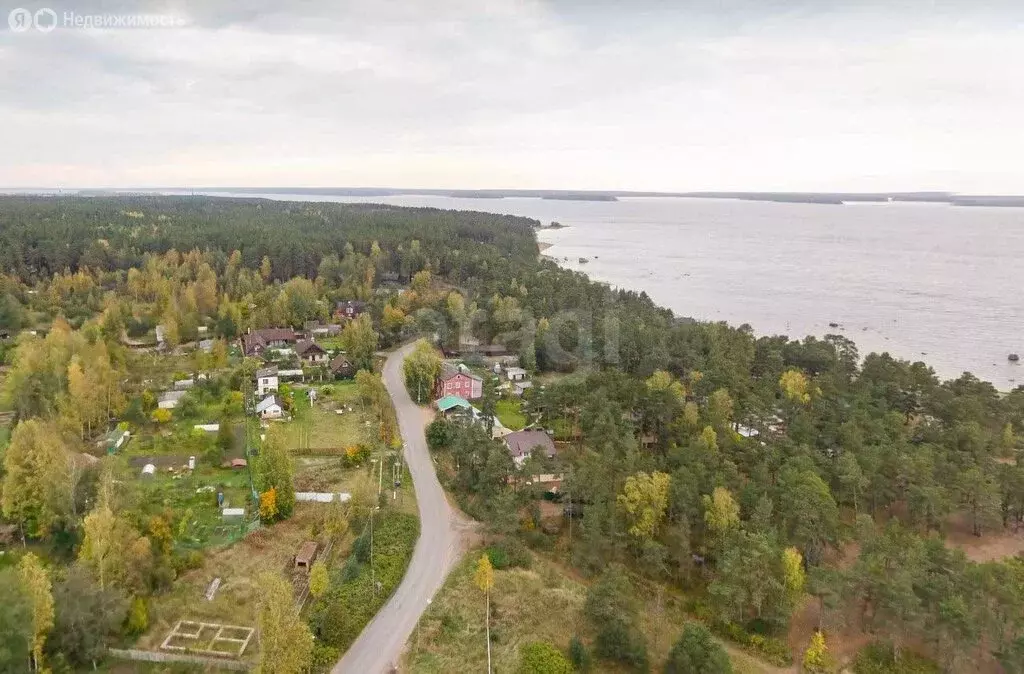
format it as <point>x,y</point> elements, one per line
<point>937,283</point>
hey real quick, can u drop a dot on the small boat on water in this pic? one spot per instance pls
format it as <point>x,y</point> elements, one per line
<point>1013,358</point>
<point>584,260</point>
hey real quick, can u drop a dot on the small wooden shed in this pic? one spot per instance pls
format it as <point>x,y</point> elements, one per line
<point>304,558</point>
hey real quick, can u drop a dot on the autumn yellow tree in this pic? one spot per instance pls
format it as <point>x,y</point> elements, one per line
<point>795,386</point>
<point>114,550</point>
<point>721,514</point>
<point>40,592</point>
<point>817,659</point>
<point>286,643</point>
<point>644,498</point>
<point>268,504</point>
<point>37,481</point>
<point>319,579</point>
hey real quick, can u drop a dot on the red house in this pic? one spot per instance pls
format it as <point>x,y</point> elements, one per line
<point>460,382</point>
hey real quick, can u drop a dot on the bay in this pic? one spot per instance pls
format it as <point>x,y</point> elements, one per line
<point>932,282</point>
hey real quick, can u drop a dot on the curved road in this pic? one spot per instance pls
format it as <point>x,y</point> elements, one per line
<point>437,551</point>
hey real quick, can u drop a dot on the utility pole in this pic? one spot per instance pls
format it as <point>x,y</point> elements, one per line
<point>373,576</point>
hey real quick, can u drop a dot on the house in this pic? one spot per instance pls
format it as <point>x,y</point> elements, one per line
<point>341,367</point>
<point>206,345</point>
<point>255,342</point>
<point>184,384</point>
<point>349,309</point>
<point>452,404</point>
<point>520,387</point>
<point>170,399</point>
<point>459,381</point>
<point>318,329</point>
<point>269,408</point>
<point>310,352</point>
<point>516,374</point>
<point>266,380</point>
<point>522,443</point>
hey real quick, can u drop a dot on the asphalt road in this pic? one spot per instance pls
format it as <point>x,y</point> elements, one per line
<point>437,551</point>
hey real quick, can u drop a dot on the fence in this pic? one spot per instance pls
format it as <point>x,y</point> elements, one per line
<point>154,656</point>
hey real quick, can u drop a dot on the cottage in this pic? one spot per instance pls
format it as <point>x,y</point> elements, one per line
<point>516,374</point>
<point>349,309</point>
<point>184,384</point>
<point>269,408</point>
<point>170,399</point>
<point>310,352</point>
<point>267,380</point>
<point>255,342</point>
<point>459,381</point>
<point>342,368</point>
<point>522,443</point>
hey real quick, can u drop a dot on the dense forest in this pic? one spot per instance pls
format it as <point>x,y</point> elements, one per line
<point>749,471</point>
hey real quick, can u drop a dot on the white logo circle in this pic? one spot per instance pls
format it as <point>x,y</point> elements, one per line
<point>45,20</point>
<point>20,20</point>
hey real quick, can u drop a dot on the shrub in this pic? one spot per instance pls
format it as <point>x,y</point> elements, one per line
<point>617,640</point>
<point>355,455</point>
<point>769,648</point>
<point>499,556</point>
<point>439,434</point>
<point>541,657</point>
<point>697,651</point>
<point>578,654</point>
<point>880,658</point>
<point>138,617</point>
<point>193,559</point>
<point>324,657</point>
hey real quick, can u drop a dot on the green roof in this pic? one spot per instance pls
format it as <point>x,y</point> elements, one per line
<point>450,401</point>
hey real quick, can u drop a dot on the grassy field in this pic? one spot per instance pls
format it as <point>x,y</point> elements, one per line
<point>509,413</point>
<point>543,603</point>
<point>318,426</point>
<point>238,566</point>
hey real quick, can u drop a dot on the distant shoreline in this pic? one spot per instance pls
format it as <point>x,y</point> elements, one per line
<point>820,198</point>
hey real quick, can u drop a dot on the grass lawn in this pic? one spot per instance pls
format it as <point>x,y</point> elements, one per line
<point>319,426</point>
<point>543,603</point>
<point>509,413</point>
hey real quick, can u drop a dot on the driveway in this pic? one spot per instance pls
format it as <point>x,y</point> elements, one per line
<point>437,551</point>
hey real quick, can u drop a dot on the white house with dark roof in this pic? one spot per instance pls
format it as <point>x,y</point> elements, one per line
<point>267,380</point>
<point>269,408</point>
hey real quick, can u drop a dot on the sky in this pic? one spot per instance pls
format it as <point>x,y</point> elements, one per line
<point>757,95</point>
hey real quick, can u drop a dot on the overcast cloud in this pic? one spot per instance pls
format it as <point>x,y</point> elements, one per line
<point>709,94</point>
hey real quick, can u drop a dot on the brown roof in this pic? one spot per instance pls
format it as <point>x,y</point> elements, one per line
<point>340,362</point>
<point>304,346</point>
<point>277,334</point>
<point>521,443</point>
<point>306,553</point>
